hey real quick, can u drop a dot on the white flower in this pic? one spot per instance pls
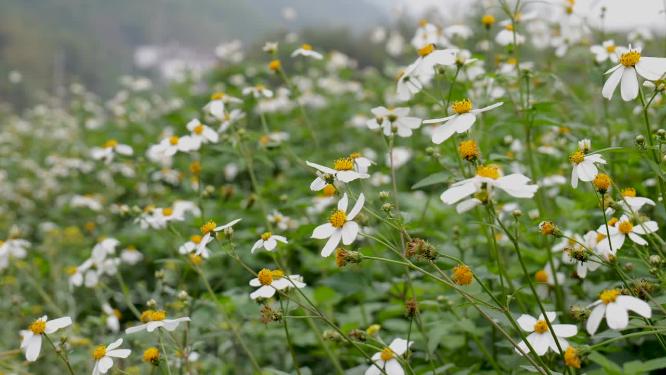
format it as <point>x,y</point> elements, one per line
<point>386,359</point>
<point>307,51</point>
<point>208,230</point>
<point>505,36</point>
<point>109,149</point>
<point>200,134</point>
<point>619,232</point>
<point>268,241</point>
<point>169,147</point>
<point>156,319</point>
<point>394,120</point>
<point>31,344</point>
<point>487,177</point>
<point>426,34</point>
<point>258,91</point>
<point>112,322</point>
<point>104,355</point>
<point>631,203</point>
<point>216,106</point>
<point>269,282</point>
<point>584,166</point>
<point>192,245</point>
<point>418,74</point>
<point>605,51</point>
<point>458,31</point>
<point>343,171</point>
<point>340,226</point>
<point>131,256</point>
<point>578,246</point>
<point>282,221</point>
<point>540,338</point>
<point>12,248</point>
<point>460,122</point>
<point>361,163</point>
<point>229,118</point>
<point>624,74</point>
<point>614,307</point>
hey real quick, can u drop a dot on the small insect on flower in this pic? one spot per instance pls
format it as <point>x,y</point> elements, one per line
<point>31,343</point>
<point>208,231</point>
<point>386,362</point>
<point>154,319</point>
<point>270,281</point>
<point>625,73</point>
<point>540,338</point>
<point>461,121</point>
<point>575,250</point>
<point>108,151</point>
<point>620,229</point>
<point>268,241</point>
<point>615,307</point>
<point>340,226</point>
<point>307,51</point>
<point>393,120</point>
<point>103,356</point>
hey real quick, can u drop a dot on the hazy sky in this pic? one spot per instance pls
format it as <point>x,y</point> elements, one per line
<point>621,14</point>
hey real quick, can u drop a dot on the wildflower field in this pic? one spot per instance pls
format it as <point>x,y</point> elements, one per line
<point>490,199</point>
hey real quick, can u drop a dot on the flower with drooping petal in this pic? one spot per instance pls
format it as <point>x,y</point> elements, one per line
<point>341,225</point>
<point>386,359</point>
<point>154,319</point>
<point>103,356</point>
<point>307,51</point>
<point>208,230</point>
<point>31,343</point>
<point>460,122</point>
<point>615,307</point>
<point>268,241</point>
<point>270,281</point>
<point>540,337</point>
<point>626,73</point>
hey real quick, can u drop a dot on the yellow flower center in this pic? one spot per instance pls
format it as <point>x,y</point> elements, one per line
<point>329,190</point>
<point>608,296</point>
<point>265,276</point>
<point>173,140</point>
<point>355,155</point>
<point>612,221</point>
<point>541,326</point>
<point>306,47</point>
<point>468,150</point>
<point>199,129</point>
<point>600,237</point>
<point>70,270</point>
<point>196,239</point>
<point>275,65</point>
<point>602,182</point>
<point>541,276</point>
<point>625,227</point>
<point>611,48</point>
<point>577,157</point>
<point>152,315</point>
<point>462,275</point>
<point>488,20</point>
<point>571,357</point>
<point>488,171</point>
<point>266,235</point>
<point>425,51</point>
<point>208,227</point>
<point>343,164</point>
<point>196,259</point>
<point>630,58</point>
<point>217,96</point>
<point>99,352</point>
<point>167,211</point>
<point>462,106</point>
<point>338,218</point>
<point>151,355</point>
<point>423,22</point>
<point>38,327</point>
<point>111,143</point>
<point>509,27</point>
<point>277,274</point>
<point>628,192</point>
<point>387,354</point>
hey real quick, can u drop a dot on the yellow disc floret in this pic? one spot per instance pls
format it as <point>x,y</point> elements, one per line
<point>488,20</point>
<point>625,227</point>
<point>608,296</point>
<point>468,150</point>
<point>329,190</point>
<point>338,218</point>
<point>99,352</point>
<point>387,354</point>
<point>306,47</point>
<point>167,211</point>
<point>275,65</point>
<point>199,129</point>
<point>344,164</point>
<point>462,106</point>
<point>265,276</point>
<point>577,157</point>
<point>602,182</point>
<point>488,171</point>
<point>277,274</point>
<point>208,227</point>
<point>425,51</point>
<point>541,276</point>
<point>173,140</point>
<point>630,58</point>
<point>38,327</point>
<point>151,355</point>
<point>196,239</point>
<point>111,143</point>
<point>266,235</point>
<point>540,326</point>
<point>611,48</point>
<point>571,357</point>
<point>628,192</point>
<point>462,275</point>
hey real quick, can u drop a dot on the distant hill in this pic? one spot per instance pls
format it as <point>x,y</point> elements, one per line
<point>93,40</point>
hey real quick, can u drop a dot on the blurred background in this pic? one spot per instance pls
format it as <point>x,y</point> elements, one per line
<point>47,44</point>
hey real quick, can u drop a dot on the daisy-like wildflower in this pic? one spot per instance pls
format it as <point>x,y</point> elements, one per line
<point>575,251</point>
<point>584,164</point>
<point>154,319</point>
<point>426,34</point>
<point>307,51</point>
<point>171,145</point>
<point>270,281</point>
<point>104,355</point>
<point>12,248</point>
<point>460,122</point>
<point>192,246</point>
<point>414,77</point>
<point>200,134</point>
<point>268,241</point>
<point>386,360</point>
<point>632,63</point>
<point>341,225</point>
<point>605,51</point>
<point>229,118</point>
<point>631,203</point>
<point>546,279</point>
<point>217,103</point>
<point>31,344</point>
<point>343,171</point>
<point>487,177</point>
<point>620,229</point>
<point>505,36</point>
<point>615,307</point>
<point>282,221</point>
<point>540,337</point>
<point>393,120</point>
<point>109,150</point>
<point>208,230</point>
<point>258,91</point>
<point>112,317</point>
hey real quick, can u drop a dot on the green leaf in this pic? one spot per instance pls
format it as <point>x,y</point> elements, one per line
<point>326,295</point>
<point>638,367</point>
<point>433,179</point>
<point>609,366</point>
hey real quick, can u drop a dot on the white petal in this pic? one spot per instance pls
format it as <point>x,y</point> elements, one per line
<point>612,82</point>
<point>119,353</point>
<point>265,291</point>
<point>257,245</point>
<point>318,184</point>
<point>616,316</point>
<point>526,322</point>
<point>357,207</point>
<point>393,367</point>
<point>646,227</point>
<point>399,346</point>
<point>595,318</point>
<point>323,231</point>
<point>651,68</point>
<point>637,239</point>
<point>104,364</point>
<point>565,330</point>
<point>332,243</point>
<point>343,202</point>
<point>636,305</point>
<point>587,171</point>
<point>488,108</point>
<point>56,324</point>
<point>463,122</point>
<point>114,344</point>
<point>135,329</point>
<point>349,232</point>
<point>456,193</point>
<point>270,244</point>
<point>438,120</point>
<point>33,347</point>
<point>540,342</point>
<point>442,133</point>
<point>629,84</point>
